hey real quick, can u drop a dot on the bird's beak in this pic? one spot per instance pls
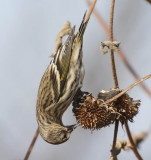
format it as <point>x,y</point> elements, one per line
<point>71,128</point>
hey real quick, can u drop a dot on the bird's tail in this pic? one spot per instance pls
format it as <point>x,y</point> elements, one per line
<point>82,27</point>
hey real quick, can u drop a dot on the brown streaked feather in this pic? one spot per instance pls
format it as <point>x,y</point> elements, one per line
<point>63,59</point>
<point>50,79</point>
<point>82,28</point>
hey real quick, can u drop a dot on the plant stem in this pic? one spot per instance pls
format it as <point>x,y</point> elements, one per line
<point>120,52</point>
<point>109,33</point>
<point>111,19</point>
<point>132,142</point>
<point>111,39</point>
<point>128,88</point>
<point>92,5</point>
<point>113,154</point>
<point>31,145</point>
<point>114,76</point>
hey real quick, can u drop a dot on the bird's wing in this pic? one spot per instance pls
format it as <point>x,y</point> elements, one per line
<point>62,59</point>
<point>49,89</point>
<point>53,80</point>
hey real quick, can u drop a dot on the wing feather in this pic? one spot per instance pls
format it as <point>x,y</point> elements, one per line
<point>54,78</point>
<point>49,89</point>
<point>63,57</point>
<point>79,35</point>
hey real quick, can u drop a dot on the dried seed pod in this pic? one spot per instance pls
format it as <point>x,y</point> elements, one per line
<point>90,113</point>
<point>124,105</point>
<point>127,107</point>
<point>94,113</point>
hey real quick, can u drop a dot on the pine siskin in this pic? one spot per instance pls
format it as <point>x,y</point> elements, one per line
<point>59,84</point>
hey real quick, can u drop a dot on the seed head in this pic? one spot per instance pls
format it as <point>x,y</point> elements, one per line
<point>92,113</point>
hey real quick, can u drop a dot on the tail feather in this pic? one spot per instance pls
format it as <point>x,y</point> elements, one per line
<point>82,27</point>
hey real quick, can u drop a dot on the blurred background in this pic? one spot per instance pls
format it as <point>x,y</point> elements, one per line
<point>28,30</point>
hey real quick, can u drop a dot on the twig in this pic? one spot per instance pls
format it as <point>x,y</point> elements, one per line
<point>126,145</point>
<point>111,20</point>
<point>109,33</point>
<point>120,52</point>
<point>135,75</point>
<point>100,19</point>
<point>92,5</point>
<point>111,39</point>
<point>31,145</point>
<point>132,142</point>
<point>128,88</point>
<point>113,155</point>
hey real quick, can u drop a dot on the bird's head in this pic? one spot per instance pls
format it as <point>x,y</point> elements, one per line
<point>55,133</point>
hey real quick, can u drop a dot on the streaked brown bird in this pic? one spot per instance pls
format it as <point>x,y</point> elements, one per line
<point>59,84</point>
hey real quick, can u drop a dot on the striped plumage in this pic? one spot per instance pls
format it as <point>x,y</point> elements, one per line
<point>59,84</point>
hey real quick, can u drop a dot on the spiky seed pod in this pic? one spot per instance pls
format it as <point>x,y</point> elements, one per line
<point>126,107</point>
<point>59,84</point>
<point>90,113</point>
<point>94,113</point>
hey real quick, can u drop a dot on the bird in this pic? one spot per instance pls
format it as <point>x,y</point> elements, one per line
<point>59,84</point>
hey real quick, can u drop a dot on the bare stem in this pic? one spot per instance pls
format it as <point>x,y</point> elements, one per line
<point>135,75</point>
<point>111,19</point>
<point>92,5</point>
<point>113,154</point>
<point>31,145</point>
<point>128,88</point>
<point>111,39</point>
<point>109,33</point>
<point>114,70</point>
<point>132,142</point>
<point>120,53</point>
<point>114,76</point>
